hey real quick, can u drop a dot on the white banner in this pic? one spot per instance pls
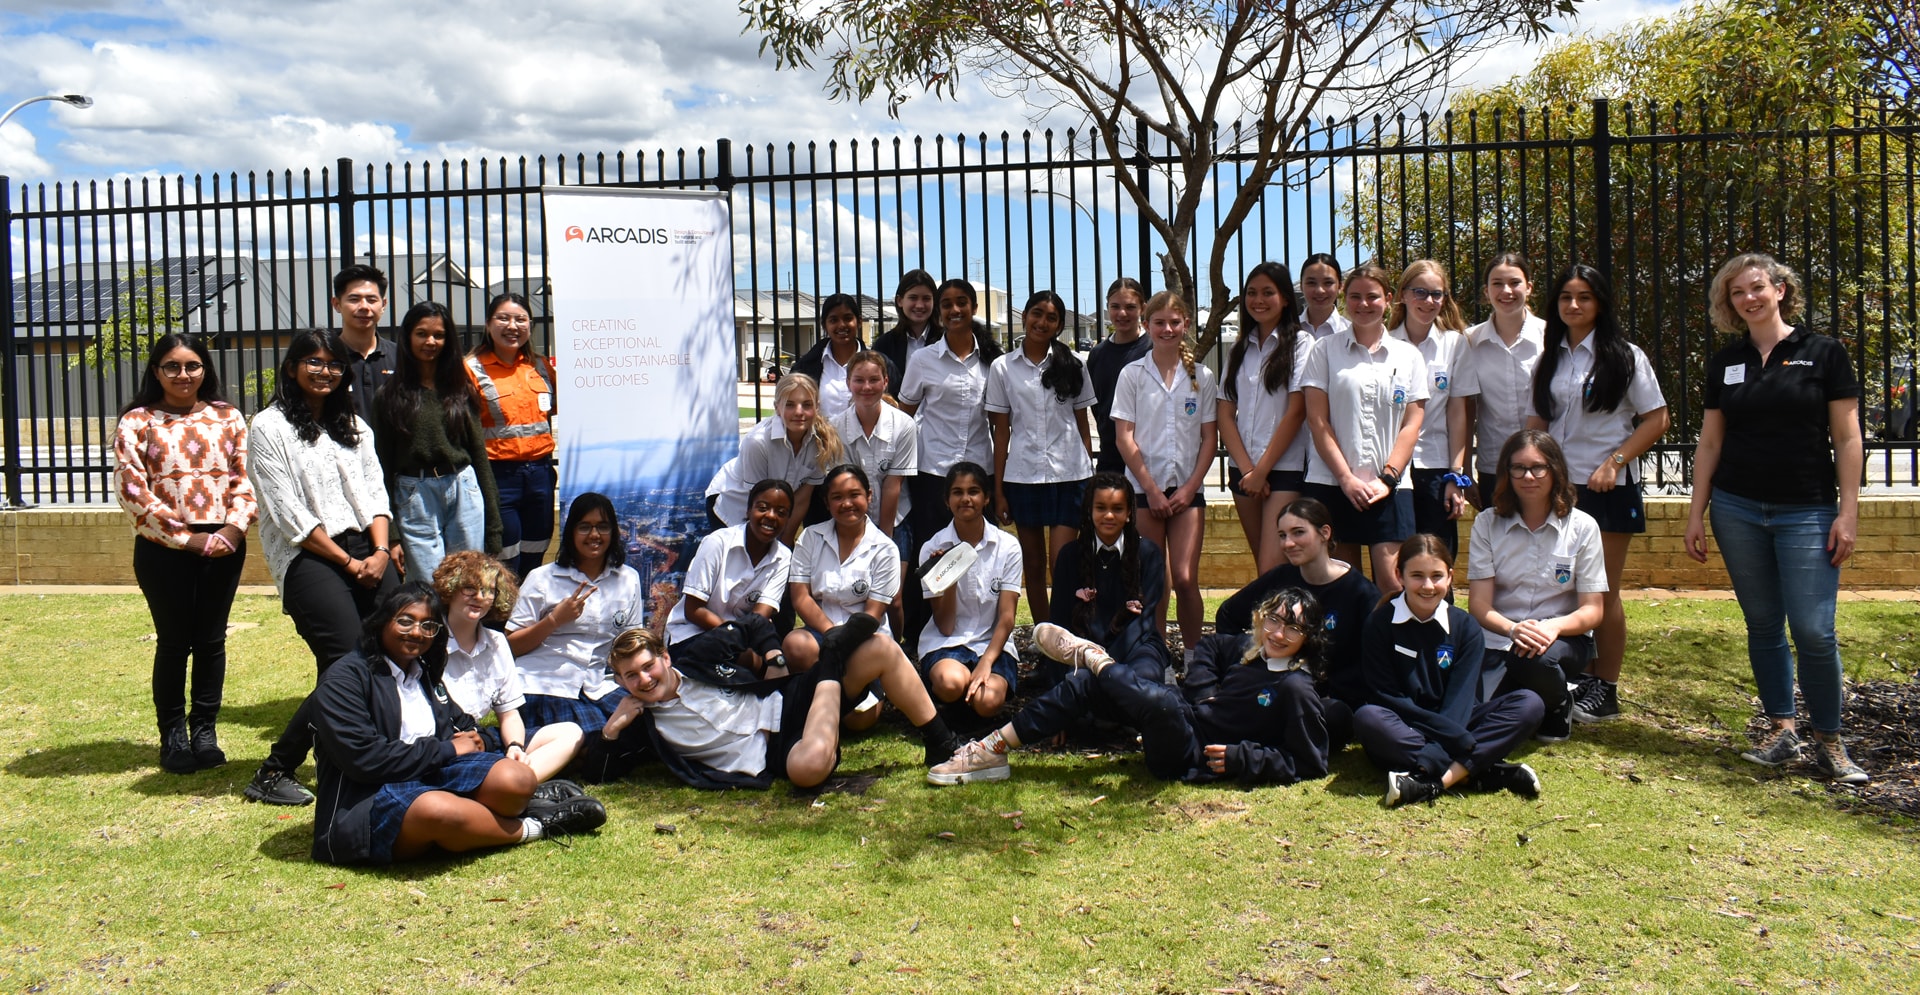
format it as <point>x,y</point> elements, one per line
<point>643,344</point>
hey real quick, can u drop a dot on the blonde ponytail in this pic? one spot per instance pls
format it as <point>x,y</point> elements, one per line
<point>1167,300</point>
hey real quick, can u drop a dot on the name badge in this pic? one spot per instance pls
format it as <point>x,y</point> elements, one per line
<point>1562,573</point>
<point>1736,374</point>
<point>546,402</point>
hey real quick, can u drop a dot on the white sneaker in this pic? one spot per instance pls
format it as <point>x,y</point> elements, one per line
<point>1059,644</point>
<point>974,762</point>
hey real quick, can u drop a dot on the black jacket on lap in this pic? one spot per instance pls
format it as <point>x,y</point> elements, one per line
<point>357,749</point>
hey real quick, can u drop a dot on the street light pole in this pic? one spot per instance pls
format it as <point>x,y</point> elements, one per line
<point>75,99</point>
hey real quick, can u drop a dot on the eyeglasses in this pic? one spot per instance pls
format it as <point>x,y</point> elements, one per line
<point>1274,623</point>
<point>513,321</point>
<point>314,364</point>
<point>1520,472</point>
<point>182,369</point>
<point>593,529</point>
<point>478,593</point>
<point>407,623</point>
<point>1423,294</point>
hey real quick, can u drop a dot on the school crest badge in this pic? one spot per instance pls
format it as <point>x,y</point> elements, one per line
<point>1264,698</point>
<point>1444,656</point>
<point>1193,405</point>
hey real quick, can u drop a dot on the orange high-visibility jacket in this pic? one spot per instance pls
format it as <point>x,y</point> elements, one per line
<point>516,407</point>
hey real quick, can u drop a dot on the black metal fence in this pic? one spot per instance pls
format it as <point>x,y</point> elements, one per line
<point>1657,196</point>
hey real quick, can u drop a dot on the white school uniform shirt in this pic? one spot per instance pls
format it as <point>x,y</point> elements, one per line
<point>416,713</point>
<point>951,393</point>
<point>1441,350</point>
<point>995,570</point>
<point>891,450</point>
<point>1166,417</point>
<point>1367,397</point>
<point>1501,379</point>
<point>1334,325</point>
<point>727,579</point>
<point>765,453</point>
<point>870,572</point>
<point>572,662</point>
<point>1536,574</point>
<point>1257,413</point>
<point>1589,438</point>
<point>835,395</point>
<point>729,493</point>
<point>720,727</point>
<point>1043,438</point>
<point>484,680</point>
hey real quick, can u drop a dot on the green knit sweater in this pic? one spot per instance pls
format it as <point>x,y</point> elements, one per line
<point>429,446</point>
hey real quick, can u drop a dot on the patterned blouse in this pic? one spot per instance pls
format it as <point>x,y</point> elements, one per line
<point>177,471</point>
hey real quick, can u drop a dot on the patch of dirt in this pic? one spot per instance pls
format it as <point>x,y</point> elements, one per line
<point>1882,730</point>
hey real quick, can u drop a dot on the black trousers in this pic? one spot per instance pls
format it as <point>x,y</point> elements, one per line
<point>190,597</point>
<point>1546,675</point>
<point>1497,726</point>
<point>327,607</point>
<point>726,643</point>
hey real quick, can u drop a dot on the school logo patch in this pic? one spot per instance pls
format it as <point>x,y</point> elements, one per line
<point>1193,405</point>
<point>725,671</point>
<point>1562,573</point>
<point>885,465</point>
<point>860,588</point>
<point>1333,620</point>
<point>1399,394</point>
<point>1264,698</point>
<point>440,694</point>
<point>1444,656</point>
<point>1439,380</point>
<point>753,596</point>
<point>621,617</point>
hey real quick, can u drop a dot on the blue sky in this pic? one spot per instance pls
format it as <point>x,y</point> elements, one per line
<point>216,85</point>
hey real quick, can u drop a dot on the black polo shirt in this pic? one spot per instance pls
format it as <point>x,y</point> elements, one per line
<point>366,373</point>
<point>1104,364</point>
<point>1778,446</point>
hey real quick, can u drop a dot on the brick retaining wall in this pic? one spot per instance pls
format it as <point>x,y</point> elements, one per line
<point>95,546</point>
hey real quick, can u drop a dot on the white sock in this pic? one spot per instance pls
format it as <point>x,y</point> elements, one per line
<point>529,829</point>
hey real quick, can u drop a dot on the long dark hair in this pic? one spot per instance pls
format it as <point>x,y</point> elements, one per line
<point>486,338</point>
<point>336,409</point>
<point>1087,543</point>
<point>400,396</point>
<point>151,393</point>
<point>1066,375</point>
<point>588,502</point>
<point>433,662</point>
<point>1612,357</point>
<point>909,280</point>
<point>1277,371</point>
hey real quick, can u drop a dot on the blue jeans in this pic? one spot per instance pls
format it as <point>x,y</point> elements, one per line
<point>437,516</point>
<point>1783,575</point>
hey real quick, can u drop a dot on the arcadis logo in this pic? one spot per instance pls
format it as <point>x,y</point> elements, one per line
<point>608,235</point>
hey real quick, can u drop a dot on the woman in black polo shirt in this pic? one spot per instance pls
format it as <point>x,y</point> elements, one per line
<point>1781,404</point>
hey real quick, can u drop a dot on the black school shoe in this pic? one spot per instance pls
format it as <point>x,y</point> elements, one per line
<point>569,817</point>
<point>176,750</point>
<point>275,787</point>
<point>1517,778</point>
<point>557,790</point>
<point>207,753</point>
<point>1404,787</point>
<point>1597,700</point>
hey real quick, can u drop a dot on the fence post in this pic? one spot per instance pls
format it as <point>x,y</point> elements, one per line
<point>1142,177</point>
<point>9,384</point>
<point>1602,190</point>
<point>344,194</point>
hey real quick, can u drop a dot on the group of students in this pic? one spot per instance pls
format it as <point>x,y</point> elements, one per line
<point>816,522</point>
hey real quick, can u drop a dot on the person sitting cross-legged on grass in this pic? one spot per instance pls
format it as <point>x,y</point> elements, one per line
<point>401,771</point>
<point>480,673</point>
<point>715,723</point>
<point>1427,724</point>
<point>1250,711</point>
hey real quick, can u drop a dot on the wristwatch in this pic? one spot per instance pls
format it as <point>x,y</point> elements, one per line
<point>1619,460</point>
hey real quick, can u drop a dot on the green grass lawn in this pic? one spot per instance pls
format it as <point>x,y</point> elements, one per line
<point>1656,860</point>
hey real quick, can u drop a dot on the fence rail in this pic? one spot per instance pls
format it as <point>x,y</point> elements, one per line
<point>1655,195</point>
